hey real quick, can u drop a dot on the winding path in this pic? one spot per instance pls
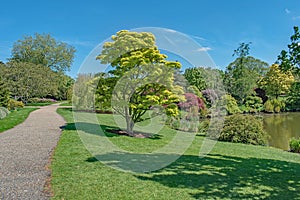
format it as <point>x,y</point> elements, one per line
<point>24,155</point>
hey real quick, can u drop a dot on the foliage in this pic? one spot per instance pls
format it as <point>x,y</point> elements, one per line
<point>183,124</point>
<point>43,49</point>
<point>145,77</point>
<point>4,94</point>
<point>242,50</point>
<point>103,93</point>
<point>196,77</point>
<point>41,100</point>
<point>192,101</point>
<point>83,92</point>
<point>211,96</point>
<point>241,75</point>
<point>295,145</point>
<point>13,104</point>
<point>274,105</point>
<point>291,60</point>
<point>3,112</point>
<point>204,78</point>
<point>253,104</point>
<point>293,99</point>
<point>276,81</point>
<point>230,104</point>
<point>243,129</point>
<point>27,80</point>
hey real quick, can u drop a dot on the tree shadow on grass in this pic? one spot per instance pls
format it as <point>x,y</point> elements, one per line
<point>97,129</point>
<point>219,176</point>
<point>94,129</point>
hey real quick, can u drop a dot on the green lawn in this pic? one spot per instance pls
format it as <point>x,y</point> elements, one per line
<point>230,171</point>
<point>40,104</point>
<point>14,118</point>
<point>66,104</point>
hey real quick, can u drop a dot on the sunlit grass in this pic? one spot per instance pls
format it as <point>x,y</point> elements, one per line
<point>230,171</point>
<point>14,118</point>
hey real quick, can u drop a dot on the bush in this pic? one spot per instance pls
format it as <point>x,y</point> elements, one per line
<point>244,129</point>
<point>269,107</point>
<point>3,112</point>
<point>13,104</point>
<point>295,145</point>
<point>274,105</point>
<point>253,104</point>
<point>230,104</point>
<point>183,125</point>
<point>40,100</point>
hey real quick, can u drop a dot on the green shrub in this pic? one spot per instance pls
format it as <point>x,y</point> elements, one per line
<point>183,125</point>
<point>243,129</point>
<point>253,104</point>
<point>295,145</point>
<point>13,104</point>
<point>230,104</point>
<point>203,126</point>
<point>175,124</point>
<point>3,112</point>
<point>274,105</point>
<point>40,100</point>
<point>269,107</point>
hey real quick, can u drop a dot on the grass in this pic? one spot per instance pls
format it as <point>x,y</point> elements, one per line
<point>66,104</point>
<point>38,104</point>
<point>230,171</point>
<point>14,118</point>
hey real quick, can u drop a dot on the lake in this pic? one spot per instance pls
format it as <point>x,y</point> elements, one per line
<point>282,127</point>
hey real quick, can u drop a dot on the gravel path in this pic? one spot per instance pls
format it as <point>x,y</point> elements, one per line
<point>24,154</point>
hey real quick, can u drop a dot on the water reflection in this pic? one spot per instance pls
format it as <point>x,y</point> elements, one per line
<point>281,127</point>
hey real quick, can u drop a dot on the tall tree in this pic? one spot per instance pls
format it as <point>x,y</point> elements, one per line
<point>45,50</point>
<point>145,77</point>
<point>277,81</point>
<point>204,78</point>
<point>27,80</point>
<point>290,60</point>
<point>4,94</point>
<point>241,75</point>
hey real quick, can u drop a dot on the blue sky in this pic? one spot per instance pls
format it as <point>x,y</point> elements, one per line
<point>218,25</point>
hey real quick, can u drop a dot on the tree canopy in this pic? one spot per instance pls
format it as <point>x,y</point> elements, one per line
<point>277,81</point>
<point>145,77</point>
<point>27,80</point>
<point>290,60</point>
<point>44,50</point>
<point>241,75</point>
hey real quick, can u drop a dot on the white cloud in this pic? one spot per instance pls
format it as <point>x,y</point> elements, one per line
<point>204,49</point>
<point>287,11</point>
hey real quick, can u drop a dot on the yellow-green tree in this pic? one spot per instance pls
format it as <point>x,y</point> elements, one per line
<point>145,77</point>
<point>277,81</point>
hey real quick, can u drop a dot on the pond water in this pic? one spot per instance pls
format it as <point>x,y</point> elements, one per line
<point>282,127</point>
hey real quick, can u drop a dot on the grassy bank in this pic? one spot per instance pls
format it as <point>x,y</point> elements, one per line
<point>14,118</point>
<point>230,171</point>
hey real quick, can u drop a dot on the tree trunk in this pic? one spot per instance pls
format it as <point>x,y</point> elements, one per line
<point>129,122</point>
